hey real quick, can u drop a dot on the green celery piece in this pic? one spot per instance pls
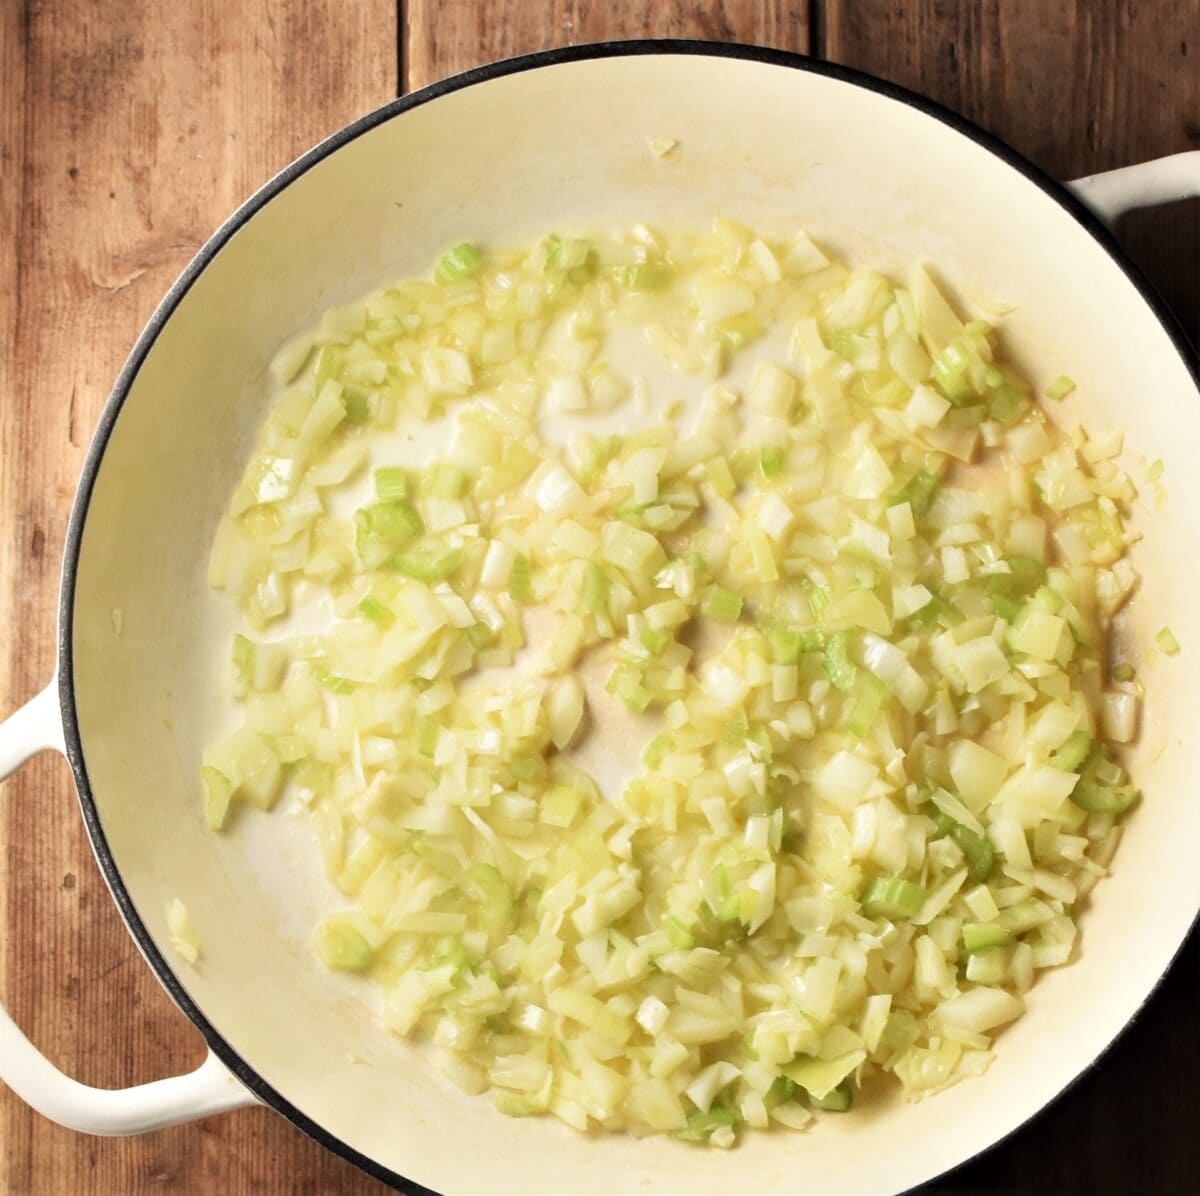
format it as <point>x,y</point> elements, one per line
<point>394,523</point>
<point>840,669</point>
<point>892,897</point>
<point>1071,756</point>
<point>218,793</point>
<point>328,365</point>
<point>654,641</point>
<point>243,663</point>
<point>448,481</point>
<point>427,736</point>
<point>979,936</point>
<point>460,262</point>
<point>332,682</point>
<point>738,331</point>
<point>428,565</point>
<point>788,644</point>
<point>819,597</point>
<point>595,588</point>
<point>870,697</point>
<point>358,406</point>
<point>626,683</point>
<point>700,1125</point>
<point>644,276</point>
<point>978,850</point>
<point>375,610</point>
<point>918,492</point>
<point>723,605</point>
<point>1007,591</point>
<point>340,946</point>
<point>782,1089</point>
<point>520,580</point>
<point>513,1104</point>
<point>391,482</point>
<point>449,949</point>
<point>772,459</point>
<point>289,748</point>
<point>479,635</point>
<point>1100,797</point>
<point>838,1100</point>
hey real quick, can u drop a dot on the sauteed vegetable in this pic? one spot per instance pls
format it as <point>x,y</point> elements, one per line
<point>693,655</point>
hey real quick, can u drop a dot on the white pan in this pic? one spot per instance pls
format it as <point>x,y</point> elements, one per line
<point>498,156</point>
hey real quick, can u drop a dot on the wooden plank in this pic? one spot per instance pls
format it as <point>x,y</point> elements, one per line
<point>1077,87</point>
<point>129,130</point>
<point>442,37</point>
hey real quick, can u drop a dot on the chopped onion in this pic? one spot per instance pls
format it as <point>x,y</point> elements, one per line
<point>837,580</point>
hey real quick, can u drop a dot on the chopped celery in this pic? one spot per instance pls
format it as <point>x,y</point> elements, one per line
<point>448,481</point>
<point>1060,387</point>
<point>427,736</point>
<point>918,492</point>
<point>819,597</point>
<point>681,938</point>
<point>460,262</point>
<point>391,482</point>
<point>722,604</point>
<point>626,683</point>
<point>1073,753</point>
<point>787,644</point>
<point>978,936</point>
<point>871,694</point>
<point>520,581</point>
<point>978,850</point>
<point>1167,642</point>
<point>773,458</point>
<point>892,897</point>
<point>340,946</point>
<point>332,682</point>
<point>218,792</point>
<point>782,1089</point>
<point>838,665</point>
<point>386,525</point>
<point>1098,789</point>
<point>595,588</point>
<point>1007,591</point>
<point>480,635</point>
<point>429,564</point>
<point>644,276</point>
<point>358,406</point>
<point>700,1126</point>
<point>375,610</point>
<point>838,1100</point>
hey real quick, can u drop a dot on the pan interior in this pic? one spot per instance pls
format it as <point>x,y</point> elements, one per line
<point>501,163</point>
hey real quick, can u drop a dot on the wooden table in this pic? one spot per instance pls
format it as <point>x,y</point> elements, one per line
<point>128,130</point>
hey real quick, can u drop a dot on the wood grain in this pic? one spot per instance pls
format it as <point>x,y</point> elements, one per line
<point>131,128</point>
<point>128,129</point>
<point>442,37</point>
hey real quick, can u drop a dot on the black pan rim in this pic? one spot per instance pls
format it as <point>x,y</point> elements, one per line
<point>78,519</point>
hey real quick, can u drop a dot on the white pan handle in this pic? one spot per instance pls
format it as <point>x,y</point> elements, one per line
<point>1162,180</point>
<point>37,727</point>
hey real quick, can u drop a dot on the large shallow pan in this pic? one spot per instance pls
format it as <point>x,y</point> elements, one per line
<point>499,155</point>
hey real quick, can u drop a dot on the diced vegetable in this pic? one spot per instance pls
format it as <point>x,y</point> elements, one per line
<point>689,734</point>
